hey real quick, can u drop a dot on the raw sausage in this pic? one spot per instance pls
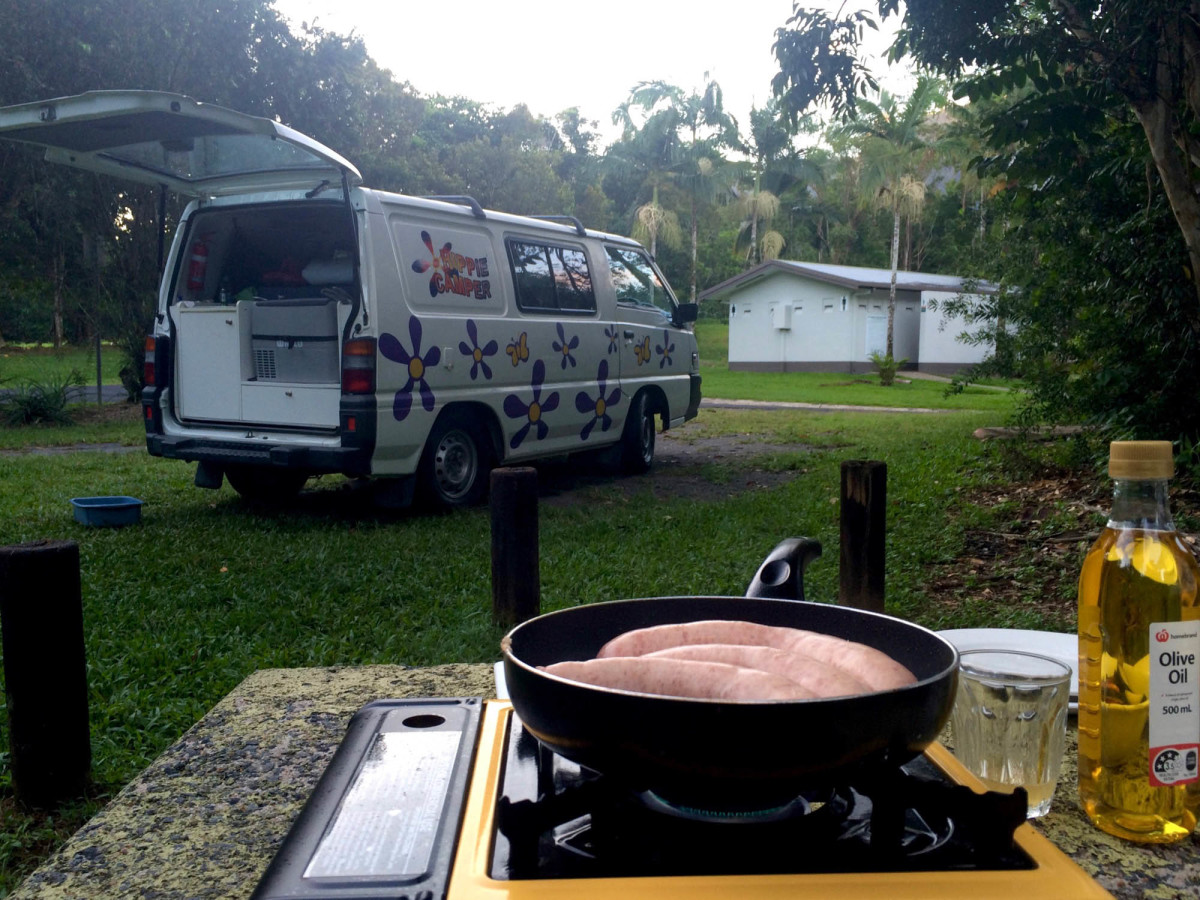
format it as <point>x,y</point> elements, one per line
<point>820,679</point>
<point>641,641</point>
<point>680,678</point>
<point>878,670</point>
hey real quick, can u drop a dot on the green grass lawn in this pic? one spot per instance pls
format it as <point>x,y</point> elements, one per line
<point>849,390</point>
<point>862,389</point>
<point>179,609</point>
<point>20,363</point>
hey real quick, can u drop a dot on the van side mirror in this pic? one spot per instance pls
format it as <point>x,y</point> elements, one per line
<point>686,312</point>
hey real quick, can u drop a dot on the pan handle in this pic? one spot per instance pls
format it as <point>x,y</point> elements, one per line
<point>781,576</point>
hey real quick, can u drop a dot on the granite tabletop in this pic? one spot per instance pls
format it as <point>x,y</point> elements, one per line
<point>205,819</point>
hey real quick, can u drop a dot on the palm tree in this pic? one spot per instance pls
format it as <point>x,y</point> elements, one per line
<point>775,168</point>
<point>896,155</point>
<point>652,221</point>
<point>694,163</point>
<point>757,206</point>
<point>646,154</point>
<point>828,202</point>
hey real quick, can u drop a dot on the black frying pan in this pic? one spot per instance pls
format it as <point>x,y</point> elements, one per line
<point>718,754</point>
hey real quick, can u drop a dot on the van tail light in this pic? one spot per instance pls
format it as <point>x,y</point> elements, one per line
<point>358,366</point>
<point>149,375</point>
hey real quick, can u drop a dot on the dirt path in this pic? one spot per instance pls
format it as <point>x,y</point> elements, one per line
<point>683,467</point>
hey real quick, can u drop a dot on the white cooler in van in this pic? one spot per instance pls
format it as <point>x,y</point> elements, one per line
<point>295,341</point>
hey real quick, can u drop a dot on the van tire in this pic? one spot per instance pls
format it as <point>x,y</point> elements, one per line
<point>457,462</point>
<point>637,440</point>
<point>265,484</point>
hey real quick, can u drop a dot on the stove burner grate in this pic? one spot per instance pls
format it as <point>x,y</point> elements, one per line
<point>800,806</point>
<point>556,820</point>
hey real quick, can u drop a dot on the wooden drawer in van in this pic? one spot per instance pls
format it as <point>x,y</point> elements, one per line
<point>291,404</point>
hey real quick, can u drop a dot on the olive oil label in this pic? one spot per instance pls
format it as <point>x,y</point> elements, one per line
<point>1174,703</point>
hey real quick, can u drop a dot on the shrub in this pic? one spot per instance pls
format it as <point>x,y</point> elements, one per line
<point>887,367</point>
<point>40,403</point>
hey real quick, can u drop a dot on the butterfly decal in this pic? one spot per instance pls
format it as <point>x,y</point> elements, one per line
<point>642,351</point>
<point>518,350</point>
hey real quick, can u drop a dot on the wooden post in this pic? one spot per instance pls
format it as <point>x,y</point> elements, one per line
<point>99,370</point>
<point>45,671</point>
<point>516,578</point>
<point>863,534</point>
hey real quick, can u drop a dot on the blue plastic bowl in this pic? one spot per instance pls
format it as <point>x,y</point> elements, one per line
<point>107,512</point>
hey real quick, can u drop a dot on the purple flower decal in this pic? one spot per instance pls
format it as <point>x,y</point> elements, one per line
<point>665,349</point>
<point>417,366</point>
<point>516,408</point>
<point>564,347</point>
<point>477,353</point>
<point>598,406</point>
<point>610,332</point>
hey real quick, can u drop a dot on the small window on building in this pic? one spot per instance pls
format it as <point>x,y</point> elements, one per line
<point>551,278</point>
<point>844,301</point>
<point>732,310</point>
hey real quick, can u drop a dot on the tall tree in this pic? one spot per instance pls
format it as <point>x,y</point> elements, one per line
<point>645,154</point>
<point>896,161</point>
<point>775,171</point>
<point>690,129</point>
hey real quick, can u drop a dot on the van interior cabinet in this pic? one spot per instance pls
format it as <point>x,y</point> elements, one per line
<point>311,405</point>
<point>209,361</point>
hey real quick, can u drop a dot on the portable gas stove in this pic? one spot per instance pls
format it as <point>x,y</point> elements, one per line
<point>431,799</point>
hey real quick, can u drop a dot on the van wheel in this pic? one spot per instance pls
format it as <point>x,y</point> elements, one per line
<point>456,463</point>
<point>265,483</point>
<point>637,440</point>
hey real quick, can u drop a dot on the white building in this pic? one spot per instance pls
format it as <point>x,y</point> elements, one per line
<point>789,316</point>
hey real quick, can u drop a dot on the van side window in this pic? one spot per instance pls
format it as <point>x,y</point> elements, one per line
<point>636,280</point>
<point>551,278</point>
<point>575,281</point>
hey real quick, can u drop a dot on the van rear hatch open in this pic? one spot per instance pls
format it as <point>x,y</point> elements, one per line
<point>260,293</point>
<point>193,148</point>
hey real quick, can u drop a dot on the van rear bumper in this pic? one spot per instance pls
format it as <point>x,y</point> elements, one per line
<point>317,460</point>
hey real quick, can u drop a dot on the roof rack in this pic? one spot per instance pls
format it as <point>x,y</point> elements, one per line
<point>462,200</point>
<point>570,220</point>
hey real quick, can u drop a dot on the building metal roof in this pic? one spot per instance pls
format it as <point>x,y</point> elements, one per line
<point>853,277</point>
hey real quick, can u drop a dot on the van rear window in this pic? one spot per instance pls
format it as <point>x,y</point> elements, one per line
<point>551,278</point>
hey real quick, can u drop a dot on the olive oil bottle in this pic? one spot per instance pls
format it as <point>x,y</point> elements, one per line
<point>1139,659</point>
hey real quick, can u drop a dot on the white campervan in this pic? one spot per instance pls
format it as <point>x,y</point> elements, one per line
<point>309,325</point>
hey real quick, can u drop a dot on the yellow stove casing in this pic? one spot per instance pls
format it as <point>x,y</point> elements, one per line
<point>1056,877</point>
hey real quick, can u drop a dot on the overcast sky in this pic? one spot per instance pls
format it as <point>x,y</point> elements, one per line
<point>553,54</point>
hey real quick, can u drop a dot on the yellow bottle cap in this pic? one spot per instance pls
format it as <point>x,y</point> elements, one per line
<point>1140,459</point>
